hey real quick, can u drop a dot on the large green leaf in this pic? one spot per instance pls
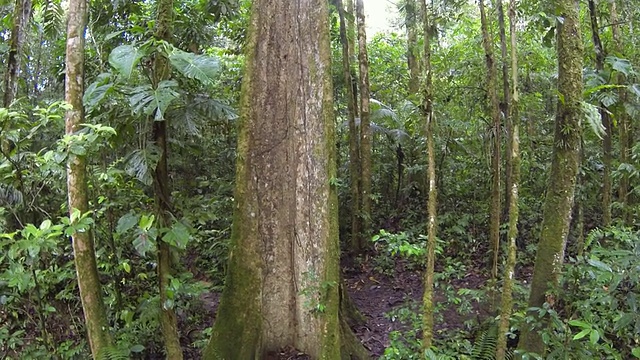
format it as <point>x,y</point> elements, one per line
<point>178,236</point>
<point>620,65</point>
<point>592,114</point>
<point>124,59</point>
<point>148,101</point>
<point>145,242</point>
<point>126,222</point>
<point>97,91</point>
<point>200,67</point>
<point>141,163</point>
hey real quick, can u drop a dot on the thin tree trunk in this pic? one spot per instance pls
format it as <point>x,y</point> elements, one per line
<point>606,120</point>
<point>506,304</point>
<point>494,106</point>
<point>365,126</point>
<point>351,33</point>
<point>282,286</point>
<point>580,222</point>
<point>506,108</point>
<point>354,141</point>
<point>21,16</point>
<point>83,249</point>
<point>162,192</point>
<point>413,57</point>
<point>432,225</point>
<point>564,169</point>
<point>623,120</point>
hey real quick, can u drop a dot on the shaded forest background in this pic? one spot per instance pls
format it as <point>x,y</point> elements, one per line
<point>592,312</point>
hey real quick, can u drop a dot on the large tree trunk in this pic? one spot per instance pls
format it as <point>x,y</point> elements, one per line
<point>427,108</point>
<point>21,16</point>
<point>494,108</point>
<point>605,117</point>
<point>282,287</point>
<point>162,192</point>
<point>365,127</point>
<point>354,140</point>
<point>564,168</point>
<point>506,304</point>
<point>83,249</point>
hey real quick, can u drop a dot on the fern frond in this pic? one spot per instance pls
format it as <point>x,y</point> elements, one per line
<point>114,353</point>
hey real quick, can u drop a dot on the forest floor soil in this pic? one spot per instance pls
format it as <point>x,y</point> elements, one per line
<point>375,295</point>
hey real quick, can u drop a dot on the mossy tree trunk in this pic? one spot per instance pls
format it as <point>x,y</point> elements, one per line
<point>282,286</point>
<point>21,16</point>
<point>365,128</point>
<point>506,303</point>
<point>427,108</point>
<point>354,138</point>
<point>494,109</point>
<point>162,192</point>
<point>83,248</point>
<point>605,117</point>
<point>624,123</point>
<point>564,168</point>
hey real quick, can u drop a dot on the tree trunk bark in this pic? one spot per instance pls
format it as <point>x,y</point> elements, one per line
<point>282,286</point>
<point>354,141</point>
<point>506,303</point>
<point>21,16</point>
<point>365,127</point>
<point>162,192</point>
<point>494,106</point>
<point>83,247</point>
<point>351,33</point>
<point>564,169</point>
<point>432,225</point>
<point>506,108</point>
<point>413,57</point>
<point>606,119</point>
<point>623,120</point>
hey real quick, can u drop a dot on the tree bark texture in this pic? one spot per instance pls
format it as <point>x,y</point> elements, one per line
<point>605,117</point>
<point>282,286</point>
<point>21,16</point>
<point>83,248</point>
<point>427,107</point>
<point>564,169</point>
<point>162,192</point>
<point>354,138</point>
<point>624,123</point>
<point>351,31</point>
<point>494,108</point>
<point>506,101</point>
<point>365,127</point>
<point>506,303</point>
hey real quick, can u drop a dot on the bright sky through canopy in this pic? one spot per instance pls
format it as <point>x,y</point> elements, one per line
<point>380,14</point>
